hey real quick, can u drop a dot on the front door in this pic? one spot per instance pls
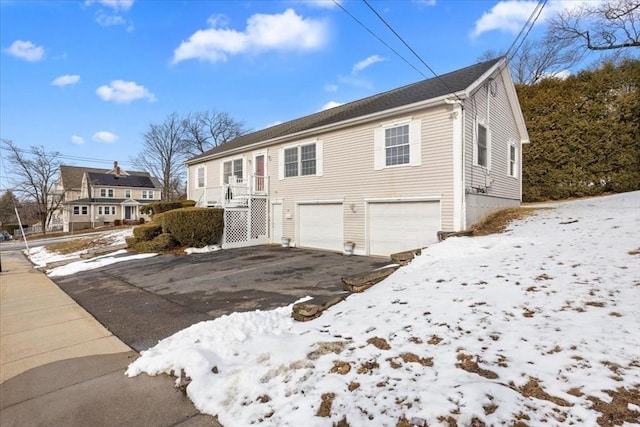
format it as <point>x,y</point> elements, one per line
<point>127,212</point>
<point>259,173</point>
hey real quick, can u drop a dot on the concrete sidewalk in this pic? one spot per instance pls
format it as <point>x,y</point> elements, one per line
<point>59,366</point>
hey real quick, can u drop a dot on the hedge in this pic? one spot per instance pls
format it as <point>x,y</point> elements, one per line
<point>160,207</point>
<point>195,227</point>
<point>161,243</point>
<point>147,232</point>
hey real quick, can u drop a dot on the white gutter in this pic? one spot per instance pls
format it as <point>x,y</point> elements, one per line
<point>332,126</point>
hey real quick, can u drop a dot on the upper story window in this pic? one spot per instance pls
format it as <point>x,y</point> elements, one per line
<point>232,168</point>
<point>106,192</point>
<point>482,148</point>
<point>513,159</point>
<point>127,193</point>
<point>147,194</point>
<point>200,181</point>
<point>398,143</point>
<point>301,160</point>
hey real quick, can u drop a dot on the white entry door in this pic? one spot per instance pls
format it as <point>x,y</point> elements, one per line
<point>320,226</point>
<point>402,226</point>
<point>276,223</point>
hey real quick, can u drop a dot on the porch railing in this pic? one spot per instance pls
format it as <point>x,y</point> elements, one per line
<point>234,194</point>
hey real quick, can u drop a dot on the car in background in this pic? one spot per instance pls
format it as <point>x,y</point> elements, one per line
<point>4,236</point>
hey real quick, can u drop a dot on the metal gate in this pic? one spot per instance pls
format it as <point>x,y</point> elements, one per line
<point>246,226</point>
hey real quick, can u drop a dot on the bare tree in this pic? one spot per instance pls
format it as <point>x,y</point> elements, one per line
<point>537,59</point>
<point>614,24</point>
<point>209,129</point>
<point>35,177</point>
<point>164,151</point>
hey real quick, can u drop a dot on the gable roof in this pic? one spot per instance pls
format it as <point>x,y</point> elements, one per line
<point>446,84</point>
<point>72,175</point>
<point>111,180</point>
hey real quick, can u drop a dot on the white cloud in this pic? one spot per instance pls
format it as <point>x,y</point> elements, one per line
<point>105,137</point>
<point>284,31</point>
<point>123,92</point>
<point>218,20</point>
<point>113,4</point>
<point>322,4</point>
<point>67,79</point>
<point>78,140</point>
<point>366,63</point>
<point>331,87</point>
<point>25,50</point>
<point>109,20</point>
<point>331,104</point>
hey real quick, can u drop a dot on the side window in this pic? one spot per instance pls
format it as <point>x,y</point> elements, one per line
<point>396,145</point>
<point>482,146</point>
<point>513,159</point>
<point>200,177</point>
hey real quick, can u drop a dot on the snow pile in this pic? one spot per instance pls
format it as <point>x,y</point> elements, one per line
<point>537,324</point>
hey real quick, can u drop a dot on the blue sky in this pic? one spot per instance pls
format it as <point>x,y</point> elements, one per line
<point>86,78</point>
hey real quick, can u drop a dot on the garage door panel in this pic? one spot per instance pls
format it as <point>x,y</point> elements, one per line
<point>321,226</point>
<point>400,226</point>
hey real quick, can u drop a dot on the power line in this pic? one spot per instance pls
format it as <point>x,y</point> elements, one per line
<point>530,23</point>
<point>378,38</point>
<point>76,158</point>
<point>410,48</point>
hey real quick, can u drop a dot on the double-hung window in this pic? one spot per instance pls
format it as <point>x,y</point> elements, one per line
<point>80,210</point>
<point>106,210</point>
<point>396,145</point>
<point>147,194</point>
<point>106,192</point>
<point>301,160</point>
<point>127,193</point>
<point>513,159</point>
<point>200,177</point>
<point>482,146</point>
<point>232,168</point>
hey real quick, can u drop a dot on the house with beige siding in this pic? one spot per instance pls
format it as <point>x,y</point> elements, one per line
<point>94,197</point>
<point>384,174</point>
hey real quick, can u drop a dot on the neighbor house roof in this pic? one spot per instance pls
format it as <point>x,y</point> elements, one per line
<point>111,180</point>
<point>72,175</point>
<point>424,90</point>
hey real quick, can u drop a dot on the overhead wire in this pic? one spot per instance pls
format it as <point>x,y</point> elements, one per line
<point>78,158</point>
<point>378,38</point>
<point>535,14</point>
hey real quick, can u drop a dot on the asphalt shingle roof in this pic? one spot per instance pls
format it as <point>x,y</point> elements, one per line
<point>421,91</point>
<point>111,180</point>
<point>72,175</point>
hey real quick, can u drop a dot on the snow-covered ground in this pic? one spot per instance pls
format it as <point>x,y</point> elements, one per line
<point>540,324</point>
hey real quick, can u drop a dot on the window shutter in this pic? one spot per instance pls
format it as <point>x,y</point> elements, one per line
<point>379,159</point>
<point>415,142</point>
<point>319,158</point>
<point>280,163</point>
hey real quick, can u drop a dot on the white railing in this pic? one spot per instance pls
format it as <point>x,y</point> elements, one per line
<point>234,194</point>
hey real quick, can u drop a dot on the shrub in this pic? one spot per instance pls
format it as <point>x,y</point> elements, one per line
<point>162,242</point>
<point>188,203</point>
<point>117,222</point>
<point>131,241</point>
<point>146,209</point>
<point>147,232</point>
<point>141,221</point>
<point>195,227</point>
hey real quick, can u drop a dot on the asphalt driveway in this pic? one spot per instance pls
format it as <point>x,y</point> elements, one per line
<point>143,301</point>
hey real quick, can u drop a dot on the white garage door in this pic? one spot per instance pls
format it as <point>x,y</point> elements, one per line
<point>321,227</point>
<point>402,226</point>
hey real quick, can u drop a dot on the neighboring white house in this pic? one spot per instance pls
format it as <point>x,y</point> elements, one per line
<point>387,172</point>
<point>95,197</point>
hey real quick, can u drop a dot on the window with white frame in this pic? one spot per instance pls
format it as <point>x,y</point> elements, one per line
<point>513,159</point>
<point>200,181</point>
<point>106,210</point>
<point>147,194</point>
<point>232,168</point>
<point>80,210</point>
<point>127,193</point>
<point>482,146</point>
<point>106,192</point>
<point>301,160</point>
<point>398,143</point>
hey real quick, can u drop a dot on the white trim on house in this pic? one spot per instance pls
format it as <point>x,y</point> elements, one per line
<point>414,139</point>
<point>298,145</point>
<point>458,167</point>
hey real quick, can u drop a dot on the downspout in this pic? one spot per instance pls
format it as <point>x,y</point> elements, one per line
<point>457,117</point>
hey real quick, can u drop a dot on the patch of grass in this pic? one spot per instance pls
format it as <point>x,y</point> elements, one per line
<point>617,411</point>
<point>79,245</point>
<point>498,221</point>
<point>325,406</point>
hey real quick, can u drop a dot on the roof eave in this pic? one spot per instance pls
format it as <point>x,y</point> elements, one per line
<point>331,127</point>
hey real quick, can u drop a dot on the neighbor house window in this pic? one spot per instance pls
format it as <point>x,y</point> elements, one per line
<point>80,210</point>
<point>106,192</point>
<point>482,146</point>
<point>232,168</point>
<point>513,159</point>
<point>200,177</point>
<point>147,194</point>
<point>106,210</point>
<point>396,145</point>
<point>127,193</point>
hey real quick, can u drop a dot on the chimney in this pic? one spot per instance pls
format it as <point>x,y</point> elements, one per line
<point>116,167</point>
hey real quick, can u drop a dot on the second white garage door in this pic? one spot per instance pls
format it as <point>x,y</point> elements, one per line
<point>321,226</point>
<point>402,226</point>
